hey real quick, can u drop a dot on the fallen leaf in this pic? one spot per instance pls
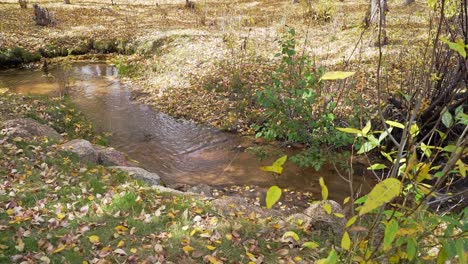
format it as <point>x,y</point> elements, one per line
<point>94,239</point>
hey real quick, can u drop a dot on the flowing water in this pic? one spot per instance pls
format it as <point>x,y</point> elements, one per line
<point>179,151</point>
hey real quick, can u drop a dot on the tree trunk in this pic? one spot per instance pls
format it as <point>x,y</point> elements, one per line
<point>378,12</point>
<point>42,16</point>
<point>23,3</point>
<point>409,2</point>
<point>67,2</point>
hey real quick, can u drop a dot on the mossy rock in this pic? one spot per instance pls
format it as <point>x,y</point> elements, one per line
<point>52,51</point>
<point>125,47</point>
<point>83,47</point>
<point>105,46</point>
<point>17,55</point>
<point>152,46</point>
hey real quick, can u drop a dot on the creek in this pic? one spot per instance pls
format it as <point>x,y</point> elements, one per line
<point>179,151</point>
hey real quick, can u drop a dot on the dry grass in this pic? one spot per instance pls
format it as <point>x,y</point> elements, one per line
<point>195,42</point>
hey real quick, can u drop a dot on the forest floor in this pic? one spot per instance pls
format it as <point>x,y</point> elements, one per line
<point>200,63</point>
<point>56,209</point>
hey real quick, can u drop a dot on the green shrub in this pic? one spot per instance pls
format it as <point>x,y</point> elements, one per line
<point>295,108</point>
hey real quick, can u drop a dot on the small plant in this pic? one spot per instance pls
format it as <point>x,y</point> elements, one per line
<point>125,68</point>
<point>295,106</point>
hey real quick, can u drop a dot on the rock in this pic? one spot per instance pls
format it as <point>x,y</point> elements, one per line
<point>179,186</point>
<point>84,149</point>
<point>111,157</point>
<point>141,174</point>
<point>315,217</point>
<point>235,204</point>
<point>203,189</point>
<point>29,128</point>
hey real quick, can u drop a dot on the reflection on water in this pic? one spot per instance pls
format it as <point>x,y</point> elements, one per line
<point>179,151</point>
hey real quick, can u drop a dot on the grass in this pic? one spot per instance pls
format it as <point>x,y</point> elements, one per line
<point>53,208</point>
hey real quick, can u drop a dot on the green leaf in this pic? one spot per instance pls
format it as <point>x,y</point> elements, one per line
<point>450,148</point>
<point>458,46</point>
<point>377,166</point>
<point>277,166</point>
<point>337,75</point>
<point>442,257</point>
<point>395,124</point>
<point>272,196</point>
<point>349,130</point>
<point>361,200</point>
<point>291,234</point>
<point>324,189</point>
<point>390,233</point>
<point>410,248</point>
<point>346,241</point>
<point>382,193</point>
<point>447,119</point>
<point>310,245</point>
<point>461,250</point>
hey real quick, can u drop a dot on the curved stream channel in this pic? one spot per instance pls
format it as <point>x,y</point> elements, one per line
<point>179,151</point>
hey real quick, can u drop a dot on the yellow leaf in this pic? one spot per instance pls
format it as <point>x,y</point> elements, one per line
<point>367,128</point>
<point>346,200</point>
<point>423,173</point>
<point>336,75</point>
<point>209,247</point>
<point>3,90</point>
<point>395,124</point>
<point>251,256</point>
<point>327,207</point>
<point>272,196</point>
<point>339,215</point>
<point>60,216</point>
<point>133,250</point>
<point>187,249</point>
<point>291,234</point>
<point>382,193</point>
<point>228,236</point>
<point>214,260</point>
<point>351,221</point>
<point>93,239</point>
<point>61,248</point>
<point>121,243</point>
<point>120,229</point>
<point>324,189</point>
<point>277,166</point>
<point>408,231</point>
<point>346,241</point>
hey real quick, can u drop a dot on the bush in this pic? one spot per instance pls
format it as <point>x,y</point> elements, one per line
<point>295,108</point>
